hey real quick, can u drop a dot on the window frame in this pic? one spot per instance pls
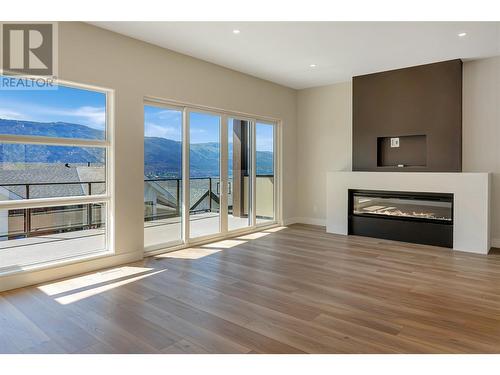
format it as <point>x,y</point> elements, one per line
<point>107,198</point>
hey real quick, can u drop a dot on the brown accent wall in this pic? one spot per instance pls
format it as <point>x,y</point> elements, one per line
<point>423,101</point>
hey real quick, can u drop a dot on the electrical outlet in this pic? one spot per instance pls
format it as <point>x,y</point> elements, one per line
<point>394,142</point>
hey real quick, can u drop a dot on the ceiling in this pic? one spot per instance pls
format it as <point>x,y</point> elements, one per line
<point>283,52</point>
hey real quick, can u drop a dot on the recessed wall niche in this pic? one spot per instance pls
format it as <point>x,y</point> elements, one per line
<point>420,105</point>
<point>410,152</point>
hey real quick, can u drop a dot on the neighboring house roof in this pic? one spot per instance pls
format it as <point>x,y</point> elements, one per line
<point>59,174</point>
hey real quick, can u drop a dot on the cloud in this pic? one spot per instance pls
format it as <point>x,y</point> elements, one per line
<point>9,114</point>
<point>94,117</point>
<point>168,114</point>
<point>161,131</point>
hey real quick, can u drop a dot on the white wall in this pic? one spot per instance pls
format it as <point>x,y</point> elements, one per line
<point>481,128</point>
<point>324,143</point>
<point>134,69</point>
<point>324,137</point>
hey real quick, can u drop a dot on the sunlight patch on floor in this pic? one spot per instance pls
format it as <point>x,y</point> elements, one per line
<point>191,253</point>
<point>70,298</point>
<point>253,236</point>
<point>85,281</point>
<point>274,230</point>
<point>225,244</point>
<point>214,247</point>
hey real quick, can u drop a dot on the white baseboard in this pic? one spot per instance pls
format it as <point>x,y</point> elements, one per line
<point>290,221</point>
<point>495,242</point>
<point>305,220</point>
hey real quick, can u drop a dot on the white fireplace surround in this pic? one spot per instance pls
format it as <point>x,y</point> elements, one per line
<point>471,200</point>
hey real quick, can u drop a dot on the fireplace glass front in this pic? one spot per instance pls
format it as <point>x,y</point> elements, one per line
<point>418,217</point>
<point>428,208</point>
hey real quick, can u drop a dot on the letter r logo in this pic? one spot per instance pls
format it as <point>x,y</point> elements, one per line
<point>28,48</point>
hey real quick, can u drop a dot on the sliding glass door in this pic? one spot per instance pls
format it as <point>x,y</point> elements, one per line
<point>205,174</point>
<point>162,175</point>
<point>264,176</point>
<point>239,172</point>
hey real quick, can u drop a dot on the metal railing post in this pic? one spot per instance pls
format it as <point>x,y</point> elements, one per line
<point>178,206</point>
<point>89,207</point>
<point>27,221</point>
<point>210,194</point>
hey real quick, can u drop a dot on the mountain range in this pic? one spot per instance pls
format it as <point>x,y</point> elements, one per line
<point>162,156</point>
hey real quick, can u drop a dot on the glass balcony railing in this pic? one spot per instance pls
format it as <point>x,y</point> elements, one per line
<point>30,222</point>
<point>162,196</point>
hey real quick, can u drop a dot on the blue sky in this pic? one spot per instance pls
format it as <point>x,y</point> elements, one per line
<point>162,123</point>
<point>64,104</point>
<point>204,128</point>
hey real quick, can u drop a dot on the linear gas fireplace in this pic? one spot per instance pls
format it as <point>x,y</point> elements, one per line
<point>425,218</point>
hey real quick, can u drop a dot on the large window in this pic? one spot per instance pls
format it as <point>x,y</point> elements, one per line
<point>54,188</point>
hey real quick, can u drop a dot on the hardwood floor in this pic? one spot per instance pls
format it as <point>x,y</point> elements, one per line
<point>290,290</point>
